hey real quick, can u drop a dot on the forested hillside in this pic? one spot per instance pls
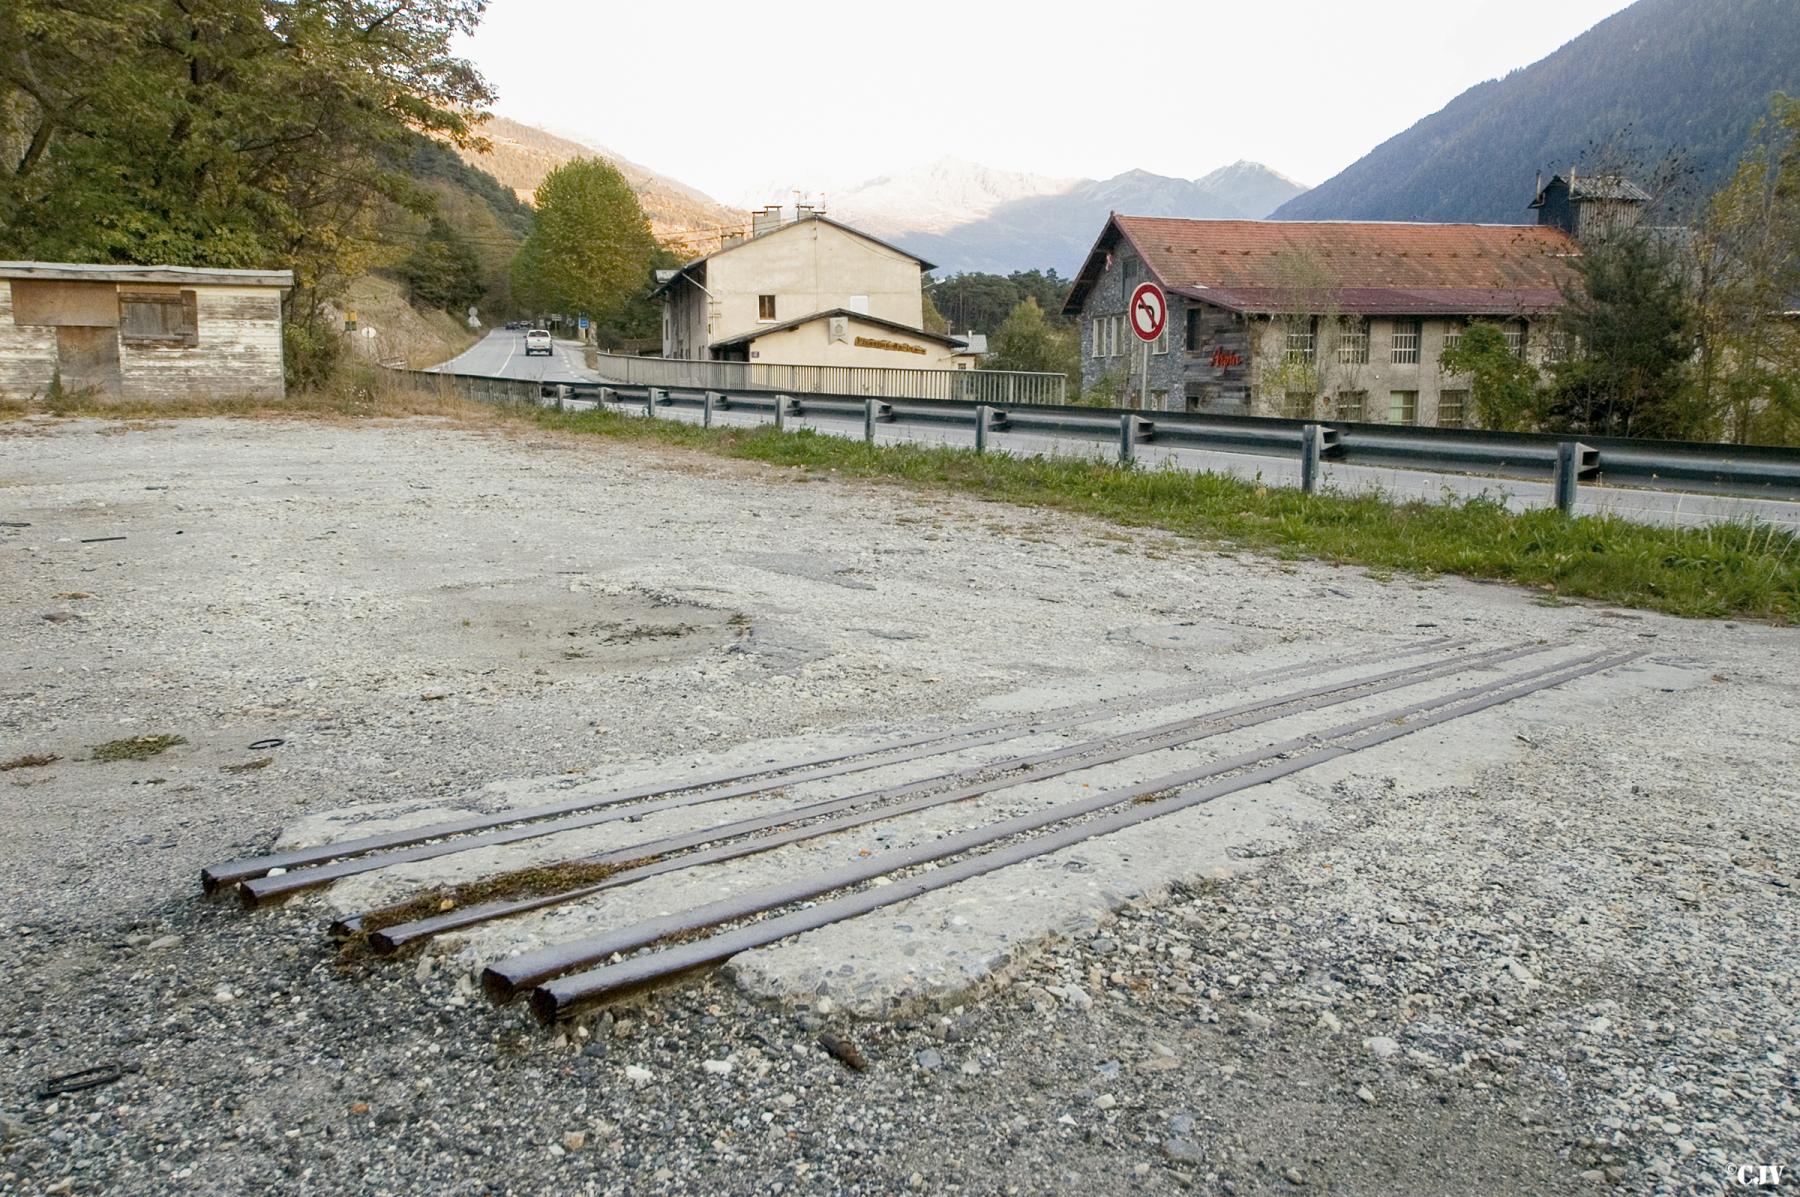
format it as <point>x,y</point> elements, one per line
<point>1688,78</point>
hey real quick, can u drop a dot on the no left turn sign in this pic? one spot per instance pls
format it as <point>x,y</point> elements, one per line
<point>1149,311</point>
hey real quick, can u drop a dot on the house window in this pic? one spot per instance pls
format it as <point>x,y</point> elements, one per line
<point>765,307</point>
<point>170,319</point>
<point>1556,347</point>
<point>1161,344</point>
<point>1453,337</point>
<point>1193,330</point>
<point>1406,343</point>
<point>1516,337</point>
<point>1452,408</point>
<point>1297,405</point>
<point>1299,349</point>
<point>1353,342</point>
<point>1403,407</point>
<point>1353,405</point>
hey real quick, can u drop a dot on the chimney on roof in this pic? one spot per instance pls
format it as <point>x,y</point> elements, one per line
<point>765,221</point>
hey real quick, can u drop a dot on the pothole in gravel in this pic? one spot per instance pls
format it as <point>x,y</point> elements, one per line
<point>543,626</point>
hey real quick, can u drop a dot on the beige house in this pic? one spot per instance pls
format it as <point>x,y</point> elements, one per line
<point>141,332</point>
<point>808,292</point>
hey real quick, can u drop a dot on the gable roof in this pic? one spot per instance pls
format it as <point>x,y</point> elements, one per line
<point>664,283</point>
<point>1363,267</point>
<point>763,330</point>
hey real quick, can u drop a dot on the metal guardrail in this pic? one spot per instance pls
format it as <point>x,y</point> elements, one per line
<point>1007,387</point>
<point>1744,471</point>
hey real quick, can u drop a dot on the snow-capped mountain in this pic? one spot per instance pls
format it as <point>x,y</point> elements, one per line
<point>965,216</point>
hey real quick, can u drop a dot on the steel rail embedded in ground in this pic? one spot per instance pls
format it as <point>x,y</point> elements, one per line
<point>559,998</point>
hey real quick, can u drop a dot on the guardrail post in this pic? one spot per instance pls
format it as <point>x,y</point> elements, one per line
<point>1312,441</point>
<point>781,409</point>
<point>706,409</point>
<point>868,421</point>
<point>982,414</point>
<point>1132,429</point>
<point>1573,459</point>
<point>607,395</point>
<point>655,398</point>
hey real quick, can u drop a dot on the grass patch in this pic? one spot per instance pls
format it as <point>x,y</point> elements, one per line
<point>1724,570</point>
<point>137,748</point>
<point>30,760</point>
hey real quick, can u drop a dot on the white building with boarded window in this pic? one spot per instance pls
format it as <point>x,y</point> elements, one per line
<point>807,291</point>
<point>144,333</point>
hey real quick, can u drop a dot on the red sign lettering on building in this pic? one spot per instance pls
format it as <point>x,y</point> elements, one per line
<point>1225,359</point>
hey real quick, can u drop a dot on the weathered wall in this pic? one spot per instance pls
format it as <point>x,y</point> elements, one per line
<point>811,344</point>
<point>809,266</point>
<point>27,352</point>
<point>239,354</point>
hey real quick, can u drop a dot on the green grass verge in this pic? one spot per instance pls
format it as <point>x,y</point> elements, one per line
<point>1726,570</point>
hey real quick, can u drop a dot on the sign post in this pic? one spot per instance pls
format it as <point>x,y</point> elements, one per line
<point>1149,316</point>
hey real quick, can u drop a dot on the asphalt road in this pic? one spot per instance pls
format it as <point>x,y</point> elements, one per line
<point>501,354</point>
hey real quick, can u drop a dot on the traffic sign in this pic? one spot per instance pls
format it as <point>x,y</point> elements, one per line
<point>1149,311</point>
<point>584,322</point>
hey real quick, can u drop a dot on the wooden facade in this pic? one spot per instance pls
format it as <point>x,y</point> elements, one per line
<point>144,333</point>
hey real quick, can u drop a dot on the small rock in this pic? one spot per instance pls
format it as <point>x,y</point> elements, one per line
<point>1182,1151</point>
<point>164,943</point>
<point>637,1075</point>
<point>1106,1101</point>
<point>1382,1047</point>
<point>929,1059</point>
<point>1294,1176</point>
<point>1365,1095</point>
<point>574,1140</point>
<point>1330,1022</point>
<point>1257,1022</point>
<point>716,1067</point>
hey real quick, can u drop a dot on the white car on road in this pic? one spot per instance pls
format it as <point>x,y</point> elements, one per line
<point>537,341</point>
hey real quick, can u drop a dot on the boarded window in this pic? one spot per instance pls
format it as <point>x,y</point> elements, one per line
<point>154,318</point>
<point>1453,407</point>
<point>1297,405</point>
<point>1353,405</point>
<point>765,307</point>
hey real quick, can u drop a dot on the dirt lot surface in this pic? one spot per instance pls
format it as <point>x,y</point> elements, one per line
<point>1551,948</point>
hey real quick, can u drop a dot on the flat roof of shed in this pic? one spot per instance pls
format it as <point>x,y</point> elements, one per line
<point>99,272</point>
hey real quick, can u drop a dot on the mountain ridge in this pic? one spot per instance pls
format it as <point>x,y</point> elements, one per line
<point>1662,75</point>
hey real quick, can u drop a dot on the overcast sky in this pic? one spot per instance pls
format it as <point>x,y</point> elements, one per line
<point>730,97</point>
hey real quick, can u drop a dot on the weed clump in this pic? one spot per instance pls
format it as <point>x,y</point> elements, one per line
<point>137,748</point>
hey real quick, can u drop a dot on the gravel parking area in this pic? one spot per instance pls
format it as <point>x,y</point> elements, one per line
<point>1553,951</point>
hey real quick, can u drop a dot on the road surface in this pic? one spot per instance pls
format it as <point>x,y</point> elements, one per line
<point>501,354</point>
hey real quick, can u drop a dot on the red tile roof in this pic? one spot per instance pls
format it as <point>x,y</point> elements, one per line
<point>1363,268</point>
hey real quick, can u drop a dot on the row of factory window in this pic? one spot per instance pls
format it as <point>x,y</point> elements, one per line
<point>1402,407</point>
<point>1113,337</point>
<point>1352,344</point>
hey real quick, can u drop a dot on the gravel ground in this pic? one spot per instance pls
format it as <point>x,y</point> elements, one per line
<point>1560,959</point>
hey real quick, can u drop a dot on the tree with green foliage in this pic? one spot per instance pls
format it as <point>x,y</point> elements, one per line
<point>224,132</point>
<point>981,302</point>
<point>1631,323</point>
<point>1028,341</point>
<point>443,271</point>
<point>1504,388</point>
<point>591,249</point>
<point>1747,266</point>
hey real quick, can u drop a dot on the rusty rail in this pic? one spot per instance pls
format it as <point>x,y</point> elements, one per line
<point>559,998</point>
